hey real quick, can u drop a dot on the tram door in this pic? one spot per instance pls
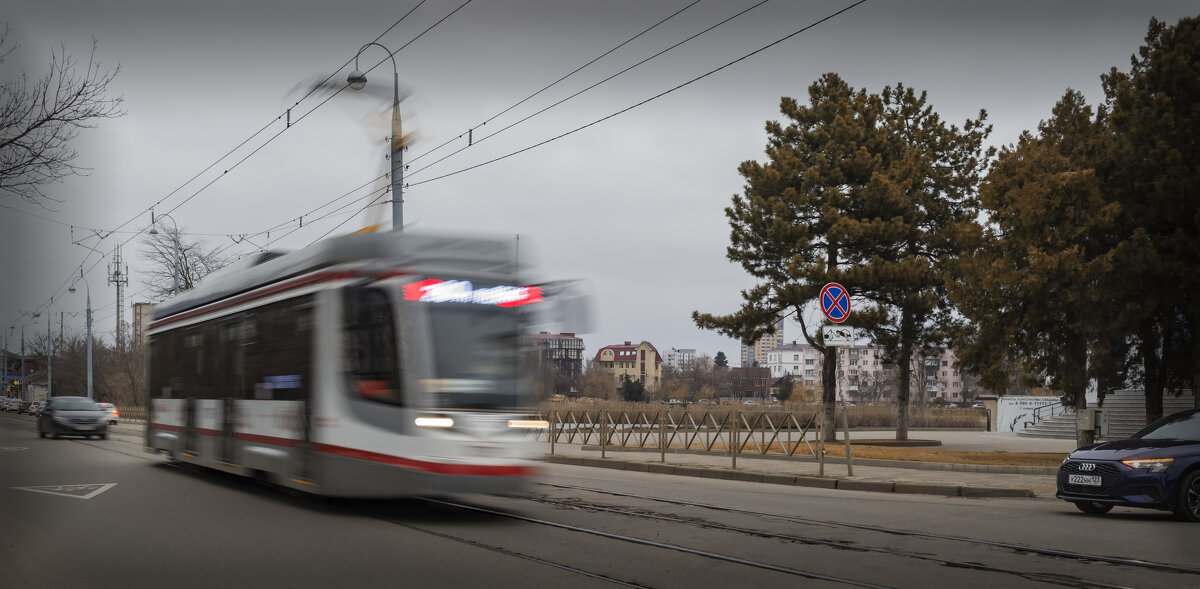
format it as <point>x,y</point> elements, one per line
<point>191,444</point>
<point>228,423</point>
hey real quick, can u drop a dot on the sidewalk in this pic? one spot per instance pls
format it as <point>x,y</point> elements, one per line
<point>886,476</point>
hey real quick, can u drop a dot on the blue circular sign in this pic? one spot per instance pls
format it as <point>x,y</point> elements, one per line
<point>835,302</point>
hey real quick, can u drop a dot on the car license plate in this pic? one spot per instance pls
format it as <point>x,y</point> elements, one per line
<point>1083,479</point>
<point>85,427</point>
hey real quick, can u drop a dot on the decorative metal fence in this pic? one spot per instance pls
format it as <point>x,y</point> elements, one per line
<point>131,413</point>
<point>730,432</point>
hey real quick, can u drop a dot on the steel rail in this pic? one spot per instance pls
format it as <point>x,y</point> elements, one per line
<point>1050,578</point>
<point>895,531</point>
<point>665,546</point>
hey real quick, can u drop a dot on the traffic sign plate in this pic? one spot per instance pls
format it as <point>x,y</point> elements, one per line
<point>835,302</point>
<point>837,336</point>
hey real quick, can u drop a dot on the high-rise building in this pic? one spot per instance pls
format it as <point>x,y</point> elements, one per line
<point>680,359</point>
<point>143,314</point>
<point>756,354</point>
<point>563,352</point>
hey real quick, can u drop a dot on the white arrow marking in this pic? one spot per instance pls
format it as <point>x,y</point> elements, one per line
<point>72,491</point>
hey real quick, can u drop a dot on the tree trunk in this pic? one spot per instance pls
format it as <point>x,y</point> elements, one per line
<point>1195,323</point>
<point>829,392</point>
<point>904,384</point>
<point>1075,383</point>
<point>1152,367</point>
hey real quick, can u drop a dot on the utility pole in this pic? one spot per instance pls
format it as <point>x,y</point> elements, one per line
<point>21,386</point>
<point>118,274</point>
<point>49,358</point>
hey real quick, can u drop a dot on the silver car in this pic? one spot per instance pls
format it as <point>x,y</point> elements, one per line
<point>72,416</point>
<point>110,411</point>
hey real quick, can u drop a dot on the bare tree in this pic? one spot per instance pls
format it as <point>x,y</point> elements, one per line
<point>174,258</point>
<point>39,118</point>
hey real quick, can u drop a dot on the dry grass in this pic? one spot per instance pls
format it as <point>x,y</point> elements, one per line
<point>858,450</point>
<point>948,456</point>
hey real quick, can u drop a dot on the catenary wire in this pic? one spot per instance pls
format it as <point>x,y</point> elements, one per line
<point>589,88</point>
<point>554,83</point>
<point>643,102</point>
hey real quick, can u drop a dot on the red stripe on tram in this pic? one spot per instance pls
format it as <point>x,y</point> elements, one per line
<point>485,470</point>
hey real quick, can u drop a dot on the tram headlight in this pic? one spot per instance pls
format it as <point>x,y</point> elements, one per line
<point>529,423</point>
<point>438,422</point>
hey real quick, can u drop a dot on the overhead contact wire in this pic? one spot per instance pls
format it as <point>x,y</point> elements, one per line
<point>648,100</point>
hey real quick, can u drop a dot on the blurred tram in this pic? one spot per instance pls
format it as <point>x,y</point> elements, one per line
<point>370,365</point>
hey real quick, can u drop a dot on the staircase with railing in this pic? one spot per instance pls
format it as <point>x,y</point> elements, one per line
<point>1126,415</point>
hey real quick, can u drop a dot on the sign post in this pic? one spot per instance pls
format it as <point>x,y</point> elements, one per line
<point>835,304</point>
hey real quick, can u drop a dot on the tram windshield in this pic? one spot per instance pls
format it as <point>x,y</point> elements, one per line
<point>476,358</point>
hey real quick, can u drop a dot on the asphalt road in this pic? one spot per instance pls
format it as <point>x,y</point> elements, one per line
<point>90,513</point>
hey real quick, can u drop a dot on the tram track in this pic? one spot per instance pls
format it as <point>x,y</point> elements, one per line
<point>811,575</point>
<point>1018,548</point>
<point>839,544</point>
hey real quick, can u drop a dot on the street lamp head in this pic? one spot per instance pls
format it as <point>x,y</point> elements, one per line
<point>357,80</point>
<point>71,290</point>
<point>153,230</point>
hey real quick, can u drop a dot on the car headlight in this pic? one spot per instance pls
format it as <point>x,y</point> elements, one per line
<point>60,419</point>
<point>1149,464</point>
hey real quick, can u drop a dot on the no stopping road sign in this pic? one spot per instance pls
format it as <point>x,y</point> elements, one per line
<point>835,302</point>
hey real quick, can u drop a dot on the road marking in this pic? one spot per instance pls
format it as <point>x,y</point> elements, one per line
<point>76,491</point>
<point>12,448</point>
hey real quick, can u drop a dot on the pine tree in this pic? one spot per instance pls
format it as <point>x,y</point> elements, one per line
<point>1038,275</point>
<point>1155,114</point>
<point>861,189</point>
<point>784,227</point>
<point>908,220</point>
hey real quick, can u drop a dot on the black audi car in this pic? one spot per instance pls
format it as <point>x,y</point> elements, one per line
<point>72,416</point>
<point>1156,468</point>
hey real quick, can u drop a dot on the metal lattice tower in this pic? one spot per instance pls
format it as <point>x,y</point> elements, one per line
<point>118,274</point>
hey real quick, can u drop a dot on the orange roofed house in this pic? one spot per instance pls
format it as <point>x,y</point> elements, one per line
<point>640,361</point>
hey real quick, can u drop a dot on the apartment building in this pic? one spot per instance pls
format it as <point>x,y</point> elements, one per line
<point>866,375</point>
<point>680,359</point>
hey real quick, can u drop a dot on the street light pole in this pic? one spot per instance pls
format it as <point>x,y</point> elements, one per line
<point>49,358</point>
<point>357,80</point>
<point>89,330</point>
<point>21,386</point>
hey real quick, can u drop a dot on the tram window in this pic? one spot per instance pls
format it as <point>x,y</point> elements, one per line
<point>371,353</point>
<point>278,358</point>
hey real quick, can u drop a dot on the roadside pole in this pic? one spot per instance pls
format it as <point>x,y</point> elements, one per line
<point>846,434</point>
<point>733,437</point>
<point>821,442</point>
<point>662,436</point>
<point>602,440</point>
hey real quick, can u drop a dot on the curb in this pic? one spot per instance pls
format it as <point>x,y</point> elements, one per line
<point>796,481</point>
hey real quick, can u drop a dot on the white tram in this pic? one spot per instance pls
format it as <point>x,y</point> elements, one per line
<point>369,365</point>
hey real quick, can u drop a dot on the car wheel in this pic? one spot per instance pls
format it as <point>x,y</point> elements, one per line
<point>103,436</point>
<point>1187,504</point>
<point>55,435</point>
<point>41,434</point>
<point>1093,508</point>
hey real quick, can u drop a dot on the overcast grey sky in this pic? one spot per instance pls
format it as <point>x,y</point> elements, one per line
<point>634,204</point>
